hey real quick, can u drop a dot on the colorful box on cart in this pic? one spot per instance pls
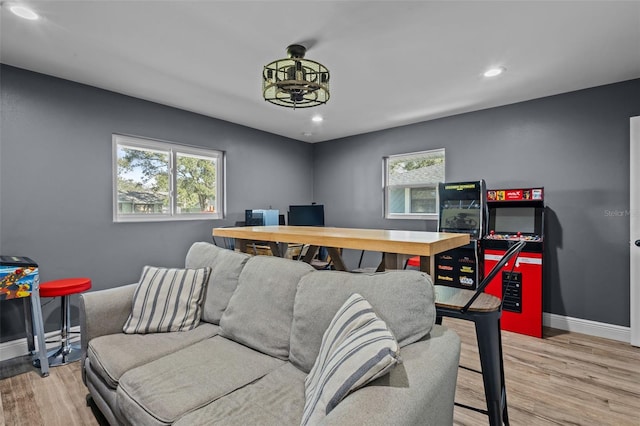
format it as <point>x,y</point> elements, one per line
<point>17,275</point>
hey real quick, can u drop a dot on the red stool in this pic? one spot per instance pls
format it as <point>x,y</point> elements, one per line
<point>413,261</point>
<point>64,288</point>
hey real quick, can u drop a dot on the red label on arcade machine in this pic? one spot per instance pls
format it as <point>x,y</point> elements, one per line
<point>515,194</point>
<point>514,215</point>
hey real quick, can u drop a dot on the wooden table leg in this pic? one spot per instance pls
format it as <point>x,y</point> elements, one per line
<point>336,259</point>
<point>311,253</point>
<point>427,264</point>
<point>390,261</point>
<point>278,249</point>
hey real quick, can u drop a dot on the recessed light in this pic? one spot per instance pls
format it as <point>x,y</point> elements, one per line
<point>316,119</point>
<point>493,72</point>
<point>24,12</point>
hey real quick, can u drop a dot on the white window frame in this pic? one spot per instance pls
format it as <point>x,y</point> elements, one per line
<point>386,187</point>
<point>172,150</point>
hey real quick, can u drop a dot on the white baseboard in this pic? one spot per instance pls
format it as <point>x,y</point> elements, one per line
<point>19,347</point>
<point>592,328</point>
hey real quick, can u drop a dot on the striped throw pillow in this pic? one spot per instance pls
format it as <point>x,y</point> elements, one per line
<point>167,300</point>
<point>356,348</point>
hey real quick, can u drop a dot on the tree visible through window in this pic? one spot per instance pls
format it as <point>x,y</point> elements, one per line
<point>411,182</point>
<point>160,181</point>
<point>196,178</point>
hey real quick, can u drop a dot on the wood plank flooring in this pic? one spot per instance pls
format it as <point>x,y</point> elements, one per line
<point>562,379</point>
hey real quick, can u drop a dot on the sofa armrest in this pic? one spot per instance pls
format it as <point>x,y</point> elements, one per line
<point>104,312</point>
<point>420,391</point>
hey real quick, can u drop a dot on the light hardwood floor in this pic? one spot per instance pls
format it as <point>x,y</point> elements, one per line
<point>562,379</point>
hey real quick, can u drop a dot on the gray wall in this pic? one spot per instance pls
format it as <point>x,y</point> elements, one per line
<point>576,145</point>
<point>56,190</point>
<point>55,182</point>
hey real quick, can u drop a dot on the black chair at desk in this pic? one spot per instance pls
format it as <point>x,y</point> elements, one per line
<point>310,215</point>
<point>485,311</point>
<point>227,243</point>
<point>368,269</point>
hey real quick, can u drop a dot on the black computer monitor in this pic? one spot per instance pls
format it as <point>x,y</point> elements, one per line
<point>261,217</point>
<point>253,218</point>
<point>310,215</point>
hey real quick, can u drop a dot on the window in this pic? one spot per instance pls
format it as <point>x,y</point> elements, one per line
<point>156,181</point>
<point>411,184</point>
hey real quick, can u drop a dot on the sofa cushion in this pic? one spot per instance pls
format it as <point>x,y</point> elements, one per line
<point>356,348</point>
<point>276,399</point>
<point>164,390</point>
<point>403,299</point>
<point>167,299</point>
<point>114,354</point>
<point>260,311</point>
<point>226,266</point>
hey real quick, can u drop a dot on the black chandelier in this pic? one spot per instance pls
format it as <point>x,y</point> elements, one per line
<point>295,82</point>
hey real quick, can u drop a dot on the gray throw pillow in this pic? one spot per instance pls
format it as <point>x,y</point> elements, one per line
<point>356,349</point>
<point>167,300</point>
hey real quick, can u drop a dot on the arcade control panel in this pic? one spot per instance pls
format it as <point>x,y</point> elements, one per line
<point>513,237</point>
<point>502,241</point>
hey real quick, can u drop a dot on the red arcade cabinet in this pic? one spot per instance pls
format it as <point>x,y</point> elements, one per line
<point>514,215</point>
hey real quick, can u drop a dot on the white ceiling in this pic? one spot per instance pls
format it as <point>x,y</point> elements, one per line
<point>392,62</point>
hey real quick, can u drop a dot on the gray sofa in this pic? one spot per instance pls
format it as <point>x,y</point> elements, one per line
<point>261,328</point>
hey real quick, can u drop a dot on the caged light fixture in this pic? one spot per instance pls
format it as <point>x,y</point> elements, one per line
<point>295,82</point>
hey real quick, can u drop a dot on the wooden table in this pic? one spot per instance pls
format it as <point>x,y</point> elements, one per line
<point>390,242</point>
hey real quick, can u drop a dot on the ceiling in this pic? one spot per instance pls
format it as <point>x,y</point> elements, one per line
<point>392,63</point>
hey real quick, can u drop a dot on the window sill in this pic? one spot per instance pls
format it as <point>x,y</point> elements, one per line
<point>154,218</point>
<point>411,216</point>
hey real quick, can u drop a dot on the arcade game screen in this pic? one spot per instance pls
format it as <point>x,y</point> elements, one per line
<point>461,216</point>
<point>509,220</point>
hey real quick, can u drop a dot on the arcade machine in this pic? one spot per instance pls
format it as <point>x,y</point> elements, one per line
<point>514,215</point>
<point>462,210</point>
